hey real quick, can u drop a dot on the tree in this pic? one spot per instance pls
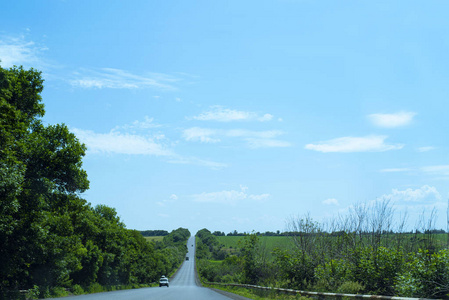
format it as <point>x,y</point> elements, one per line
<point>39,167</point>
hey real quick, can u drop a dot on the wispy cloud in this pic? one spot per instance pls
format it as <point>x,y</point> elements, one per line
<point>253,139</point>
<point>231,197</point>
<point>372,143</point>
<point>436,170</point>
<point>221,114</point>
<point>331,201</point>
<point>395,170</point>
<point>441,170</point>
<point>19,51</point>
<point>425,149</point>
<point>184,160</point>
<point>121,79</point>
<point>137,139</point>
<point>266,143</point>
<point>148,123</point>
<point>168,201</point>
<point>120,143</point>
<point>392,120</point>
<point>204,135</point>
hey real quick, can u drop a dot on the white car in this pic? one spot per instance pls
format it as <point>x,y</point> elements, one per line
<point>163,281</point>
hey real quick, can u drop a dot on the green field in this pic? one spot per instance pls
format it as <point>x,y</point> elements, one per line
<point>154,238</point>
<point>269,243</point>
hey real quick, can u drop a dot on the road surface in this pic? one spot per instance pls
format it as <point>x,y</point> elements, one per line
<point>182,287</point>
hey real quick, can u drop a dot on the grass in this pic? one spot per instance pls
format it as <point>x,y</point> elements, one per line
<point>231,243</point>
<point>257,294</point>
<point>154,238</point>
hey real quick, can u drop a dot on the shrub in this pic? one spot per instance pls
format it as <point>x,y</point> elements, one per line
<point>95,288</point>
<point>57,292</point>
<point>350,287</point>
<point>77,290</point>
<point>33,293</point>
<point>426,275</point>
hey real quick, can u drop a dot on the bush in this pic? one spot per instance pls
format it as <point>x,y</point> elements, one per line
<point>77,290</point>
<point>350,287</point>
<point>332,274</point>
<point>33,293</point>
<point>426,275</point>
<point>95,288</point>
<point>58,292</point>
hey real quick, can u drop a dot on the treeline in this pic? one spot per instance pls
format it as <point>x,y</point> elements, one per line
<point>154,232</point>
<point>51,238</point>
<point>292,233</point>
<point>236,233</point>
<point>356,253</point>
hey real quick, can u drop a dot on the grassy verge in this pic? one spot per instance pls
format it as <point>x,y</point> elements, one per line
<point>256,294</point>
<point>57,292</point>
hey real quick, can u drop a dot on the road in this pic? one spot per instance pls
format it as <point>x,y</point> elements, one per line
<point>182,287</point>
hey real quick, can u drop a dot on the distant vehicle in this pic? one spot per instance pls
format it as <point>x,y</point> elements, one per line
<point>187,258</point>
<point>163,281</point>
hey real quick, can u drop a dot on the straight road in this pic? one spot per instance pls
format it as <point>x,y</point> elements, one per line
<point>182,287</point>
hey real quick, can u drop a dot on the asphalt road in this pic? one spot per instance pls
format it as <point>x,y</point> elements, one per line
<point>182,287</point>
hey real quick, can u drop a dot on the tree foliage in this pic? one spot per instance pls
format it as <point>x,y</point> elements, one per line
<point>50,237</point>
<point>362,253</point>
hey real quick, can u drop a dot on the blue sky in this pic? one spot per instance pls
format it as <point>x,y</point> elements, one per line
<point>241,114</point>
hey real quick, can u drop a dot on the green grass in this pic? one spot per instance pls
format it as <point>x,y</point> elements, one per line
<point>269,243</point>
<point>283,242</point>
<point>257,294</point>
<point>154,238</point>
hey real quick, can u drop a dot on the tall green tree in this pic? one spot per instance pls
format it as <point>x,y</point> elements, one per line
<point>40,166</point>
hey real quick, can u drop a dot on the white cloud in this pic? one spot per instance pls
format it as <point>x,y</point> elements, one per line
<point>393,170</point>
<point>148,123</point>
<point>254,139</point>
<point>266,117</point>
<point>267,143</point>
<point>231,197</point>
<point>203,135</point>
<point>437,170</point>
<point>221,114</point>
<point>425,149</point>
<point>118,143</point>
<point>260,197</point>
<point>373,143</point>
<point>18,51</point>
<point>120,79</point>
<point>172,199</point>
<point>425,194</point>
<point>392,120</point>
<point>197,161</point>
<point>331,201</point>
<point>269,134</point>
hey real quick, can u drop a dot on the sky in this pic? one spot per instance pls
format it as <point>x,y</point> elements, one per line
<point>241,115</point>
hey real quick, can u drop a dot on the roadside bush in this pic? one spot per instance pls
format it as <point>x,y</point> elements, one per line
<point>377,269</point>
<point>77,290</point>
<point>95,288</point>
<point>332,274</point>
<point>207,270</point>
<point>58,292</point>
<point>350,287</point>
<point>425,275</point>
<point>33,293</point>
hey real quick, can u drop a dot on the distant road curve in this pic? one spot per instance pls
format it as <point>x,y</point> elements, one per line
<point>182,287</point>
